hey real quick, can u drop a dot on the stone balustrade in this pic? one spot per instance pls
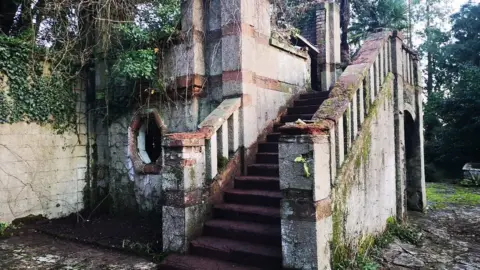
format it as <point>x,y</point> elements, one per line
<point>364,110</point>
<point>222,134</point>
<point>192,172</point>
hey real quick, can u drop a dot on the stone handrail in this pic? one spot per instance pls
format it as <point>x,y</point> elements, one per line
<point>221,129</point>
<point>335,143</point>
<point>355,91</point>
<point>219,132</point>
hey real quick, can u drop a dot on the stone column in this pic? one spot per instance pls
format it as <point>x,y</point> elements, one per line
<point>193,27</point>
<point>306,208</point>
<point>328,41</point>
<point>419,153</point>
<point>185,206</point>
<point>397,69</point>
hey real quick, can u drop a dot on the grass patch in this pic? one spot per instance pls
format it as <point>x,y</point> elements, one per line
<point>440,195</point>
<point>368,251</point>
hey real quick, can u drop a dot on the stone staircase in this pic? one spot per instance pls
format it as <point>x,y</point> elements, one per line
<point>245,230</point>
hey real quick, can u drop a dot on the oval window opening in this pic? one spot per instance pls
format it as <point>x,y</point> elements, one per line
<point>149,141</point>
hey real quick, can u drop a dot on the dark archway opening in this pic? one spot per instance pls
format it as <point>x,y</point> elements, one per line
<point>412,164</point>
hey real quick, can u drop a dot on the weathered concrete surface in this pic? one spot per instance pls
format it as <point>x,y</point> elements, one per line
<point>364,197</point>
<point>41,172</point>
<point>451,241</point>
<point>37,251</point>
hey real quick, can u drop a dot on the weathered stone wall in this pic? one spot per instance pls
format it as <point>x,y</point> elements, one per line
<point>235,58</point>
<point>364,164</point>
<point>365,194</point>
<point>41,172</point>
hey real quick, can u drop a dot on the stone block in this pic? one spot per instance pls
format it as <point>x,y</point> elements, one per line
<point>305,244</point>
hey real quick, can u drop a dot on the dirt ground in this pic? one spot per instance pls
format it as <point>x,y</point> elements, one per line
<point>451,240</point>
<point>137,235</point>
<point>34,250</point>
<point>451,236</point>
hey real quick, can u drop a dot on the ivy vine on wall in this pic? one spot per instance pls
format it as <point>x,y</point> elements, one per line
<point>34,88</point>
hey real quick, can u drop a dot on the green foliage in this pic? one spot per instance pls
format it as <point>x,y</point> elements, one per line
<point>452,113</point>
<point>366,253</point>
<point>33,88</point>
<point>222,163</point>
<point>452,121</point>
<point>404,232</point>
<point>3,227</point>
<point>304,160</point>
<point>371,15</point>
<point>136,64</point>
<point>138,52</point>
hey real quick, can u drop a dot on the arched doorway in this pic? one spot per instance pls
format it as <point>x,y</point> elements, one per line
<point>413,164</point>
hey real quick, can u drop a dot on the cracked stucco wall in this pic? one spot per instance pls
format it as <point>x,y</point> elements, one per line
<point>41,172</point>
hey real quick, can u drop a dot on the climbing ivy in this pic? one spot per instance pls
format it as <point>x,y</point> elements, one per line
<point>34,88</point>
<point>137,55</point>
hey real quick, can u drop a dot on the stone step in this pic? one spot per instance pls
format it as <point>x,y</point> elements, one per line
<point>267,158</point>
<point>295,117</point>
<point>263,170</point>
<point>314,94</point>
<point>257,182</point>
<point>308,102</point>
<point>273,137</point>
<point>266,257</point>
<point>240,212</point>
<point>244,231</point>
<point>253,197</point>
<point>270,147</point>
<point>276,126</point>
<point>310,109</point>
<point>191,262</point>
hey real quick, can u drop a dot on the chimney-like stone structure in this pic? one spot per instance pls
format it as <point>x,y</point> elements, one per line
<point>328,41</point>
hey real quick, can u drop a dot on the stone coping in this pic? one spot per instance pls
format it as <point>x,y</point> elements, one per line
<point>207,128</point>
<point>221,114</point>
<point>344,89</point>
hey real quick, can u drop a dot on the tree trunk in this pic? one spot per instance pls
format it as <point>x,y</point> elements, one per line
<point>429,73</point>
<point>429,55</point>
<point>344,23</point>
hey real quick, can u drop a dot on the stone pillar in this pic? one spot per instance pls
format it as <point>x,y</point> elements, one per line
<point>306,208</point>
<point>397,69</point>
<point>420,188</point>
<point>185,205</point>
<point>328,41</point>
<point>193,27</point>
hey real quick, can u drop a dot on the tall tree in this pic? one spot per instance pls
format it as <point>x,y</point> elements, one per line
<point>452,113</point>
<point>429,17</point>
<point>372,15</point>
